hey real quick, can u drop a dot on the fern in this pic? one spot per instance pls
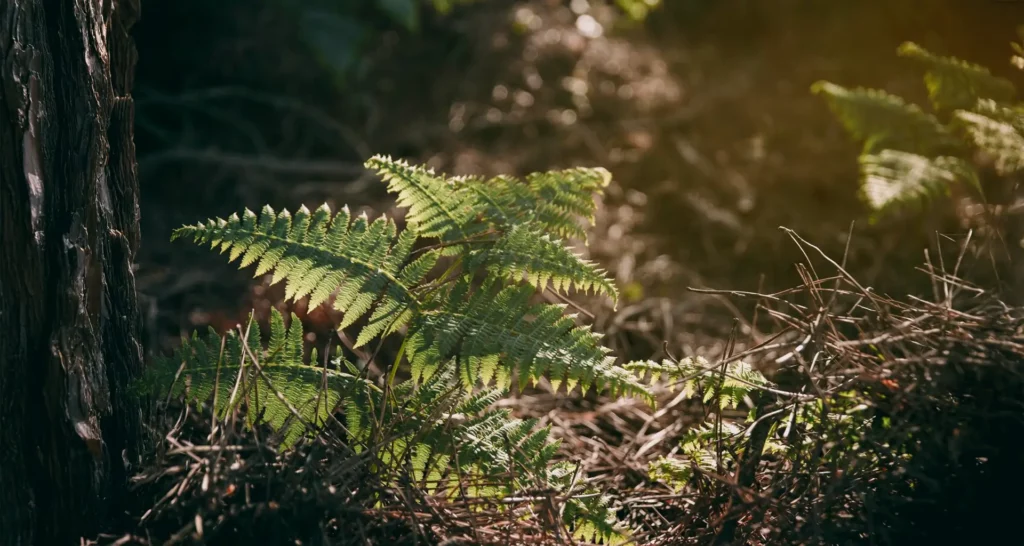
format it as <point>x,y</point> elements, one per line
<point>438,437</point>
<point>732,384</point>
<point>523,253</point>
<point>885,121</point>
<point>909,155</point>
<point>471,332</point>
<point>319,253</point>
<point>533,341</point>
<point>559,202</point>
<point>274,384</point>
<point>712,445</point>
<point>435,207</point>
<point>1000,136</point>
<point>892,177</point>
<point>954,84</point>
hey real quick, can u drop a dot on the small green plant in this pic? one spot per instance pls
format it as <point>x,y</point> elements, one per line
<point>713,445</point>
<point>910,154</point>
<point>459,283</point>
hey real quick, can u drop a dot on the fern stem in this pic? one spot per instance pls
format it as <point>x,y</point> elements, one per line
<point>394,367</point>
<point>475,240</point>
<point>435,285</point>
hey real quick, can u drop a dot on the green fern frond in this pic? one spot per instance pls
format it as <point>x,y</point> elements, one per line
<point>592,520</point>
<point>737,383</point>
<point>908,155</point>
<point>318,254</point>
<point>999,134</point>
<point>891,178</point>
<point>568,192</point>
<point>439,437</point>
<point>674,472</point>
<point>691,376</point>
<point>436,430</point>
<point>955,84</point>
<point>708,447</point>
<point>532,340</point>
<point>588,514</point>
<point>523,253</point>
<point>885,121</point>
<point>274,384</point>
<point>554,202</point>
<point>436,207</point>
<point>708,433</point>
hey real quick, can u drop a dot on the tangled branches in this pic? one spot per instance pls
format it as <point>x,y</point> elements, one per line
<point>911,429</point>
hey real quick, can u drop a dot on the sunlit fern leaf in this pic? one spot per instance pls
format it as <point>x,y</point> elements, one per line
<point>732,385</point>
<point>708,434</point>
<point>365,262</point>
<point>955,84</point>
<point>885,121</point>
<point>593,521</point>
<point>436,208</point>
<point>533,340</point>
<point>737,383</point>
<point>892,178</point>
<point>560,203</point>
<point>686,376</point>
<point>440,437</point>
<point>998,134</point>
<point>699,449</point>
<point>587,512</point>
<point>568,192</point>
<point>276,387</point>
<point>672,471</point>
<point>524,253</point>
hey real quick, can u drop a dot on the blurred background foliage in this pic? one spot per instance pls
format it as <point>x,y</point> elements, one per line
<point>701,109</point>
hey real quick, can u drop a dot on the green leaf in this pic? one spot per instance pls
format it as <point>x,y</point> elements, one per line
<point>524,253</point>
<point>884,121</point>
<point>954,84</point>
<point>999,132</point>
<point>891,178</point>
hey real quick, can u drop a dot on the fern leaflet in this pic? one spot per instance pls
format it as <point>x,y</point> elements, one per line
<point>1000,136</point>
<point>892,178</point>
<point>534,340</point>
<point>436,208</point>
<point>954,84</point>
<point>523,253</point>
<point>274,384</point>
<point>885,121</point>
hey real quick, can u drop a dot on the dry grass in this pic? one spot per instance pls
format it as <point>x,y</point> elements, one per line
<point>942,372</point>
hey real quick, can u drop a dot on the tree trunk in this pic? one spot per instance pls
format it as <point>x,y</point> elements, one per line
<point>69,229</point>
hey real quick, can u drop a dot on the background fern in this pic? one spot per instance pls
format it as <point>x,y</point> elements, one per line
<point>911,155</point>
<point>711,446</point>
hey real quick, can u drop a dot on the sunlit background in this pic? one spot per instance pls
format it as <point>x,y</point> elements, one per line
<point>701,108</point>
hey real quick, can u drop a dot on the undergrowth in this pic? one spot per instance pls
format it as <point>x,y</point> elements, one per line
<point>911,154</point>
<point>864,418</point>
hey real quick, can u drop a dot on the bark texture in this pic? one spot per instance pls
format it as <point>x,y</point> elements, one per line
<point>69,228</point>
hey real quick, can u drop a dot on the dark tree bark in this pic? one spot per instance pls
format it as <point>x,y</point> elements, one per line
<point>69,229</point>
